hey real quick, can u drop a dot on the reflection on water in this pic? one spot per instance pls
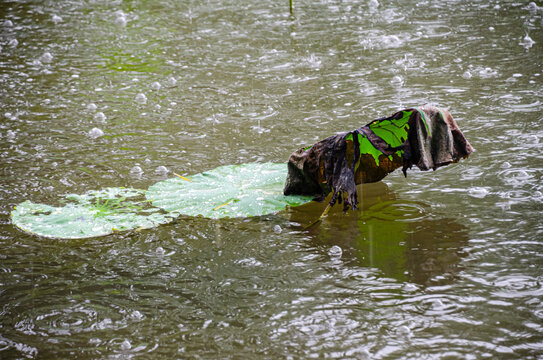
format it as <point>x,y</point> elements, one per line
<point>401,238</point>
<point>444,264</point>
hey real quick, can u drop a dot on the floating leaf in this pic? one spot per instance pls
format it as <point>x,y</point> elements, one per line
<point>95,213</point>
<point>227,191</point>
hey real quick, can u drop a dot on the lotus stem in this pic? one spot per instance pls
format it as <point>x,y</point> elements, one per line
<point>182,177</point>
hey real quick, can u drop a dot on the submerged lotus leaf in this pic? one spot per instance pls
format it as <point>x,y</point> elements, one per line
<point>94,213</point>
<point>228,191</point>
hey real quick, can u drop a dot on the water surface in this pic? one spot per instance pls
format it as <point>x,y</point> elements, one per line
<point>438,264</point>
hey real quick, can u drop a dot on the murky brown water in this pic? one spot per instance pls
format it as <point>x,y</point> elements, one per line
<point>444,264</point>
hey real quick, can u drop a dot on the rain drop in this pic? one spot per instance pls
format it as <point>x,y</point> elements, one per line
<point>92,107</point>
<point>277,229</point>
<point>478,192</point>
<point>141,98</point>
<point>527,42</point>
<point>162,170</point>
<point>96,133</point>
<point>397,80</point>
<point>13,43</point>
<point>11,134</point>
<point>46,57</point>
<point>126,345</point>
<point>155,85</point>
<point>532,7</point>
<point>136,315</point>
<point>404,331</point>
<point>136,170</point>
<point>172,81</point>
<point>437,304</point>
<point>335,252</point>
<point>56,19</point>
<point>100,116</point>
<point>160,250</point>
<point>120,18</point>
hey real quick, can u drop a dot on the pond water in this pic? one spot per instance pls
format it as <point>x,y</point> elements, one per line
<point>444,264</point>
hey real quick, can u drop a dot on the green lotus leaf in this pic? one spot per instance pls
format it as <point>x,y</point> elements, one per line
<point>95,213</point>
<point>228,191</point>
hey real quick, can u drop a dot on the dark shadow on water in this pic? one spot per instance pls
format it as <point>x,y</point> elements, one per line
<point>402,238</point>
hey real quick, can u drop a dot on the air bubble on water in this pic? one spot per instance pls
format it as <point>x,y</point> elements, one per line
<point>126,345</point>
<point>13,43</point>
<point>100,116</point>
<point>92,107</point>
<point>506,165</point>
<point>136,170</point>
<point>46,57</point>
<point>162,170</point>
<point>277,229</point>
<point>491,28</point>
<point>466,75</point>
<point>141,98</point>
<point>96,133</point>
<point>156,85</point>
<point>160,250</point>
<point>8,23</point>
<point>335,252</point>
<point>56,19</point>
